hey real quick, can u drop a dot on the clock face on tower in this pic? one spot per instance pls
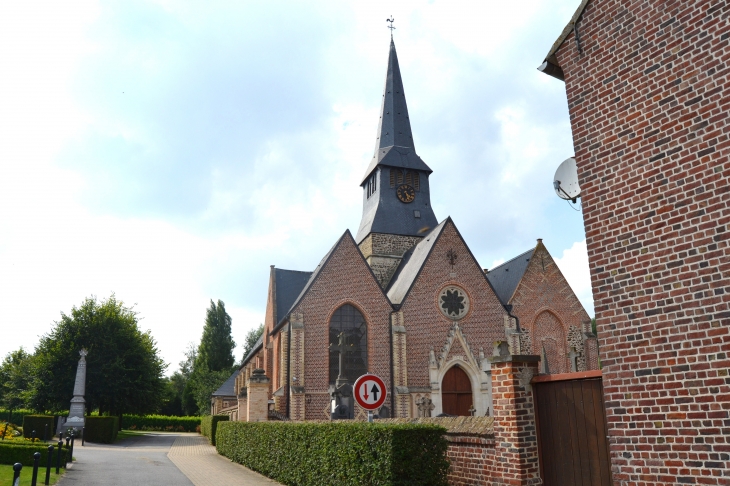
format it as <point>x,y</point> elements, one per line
<point>405,193</point>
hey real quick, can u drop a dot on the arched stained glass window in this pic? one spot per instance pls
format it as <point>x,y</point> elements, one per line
<point>348,334</point>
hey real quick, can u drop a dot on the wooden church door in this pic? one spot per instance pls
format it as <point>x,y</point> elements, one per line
<point>456,393</point>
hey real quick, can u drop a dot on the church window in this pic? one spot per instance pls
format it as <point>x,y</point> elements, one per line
<point>453,302</point>
<point>348,335</point>
<point>392,177</point>
<point>409,178</point>
<point>416,181</point>
<point>399,177</point>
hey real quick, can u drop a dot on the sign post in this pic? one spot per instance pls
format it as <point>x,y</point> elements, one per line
<point>370,393</point>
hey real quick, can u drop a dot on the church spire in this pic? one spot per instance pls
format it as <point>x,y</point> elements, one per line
<point>394,128</point>
<point>394,145</point>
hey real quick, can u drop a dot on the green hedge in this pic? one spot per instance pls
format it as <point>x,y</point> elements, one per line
<point>315,454</point>
<point>17,416</point>
<point>161,422</point>
<point>209,425</point>
<point>38,423</point>
<point>10,454</point>
<point>101,429</point>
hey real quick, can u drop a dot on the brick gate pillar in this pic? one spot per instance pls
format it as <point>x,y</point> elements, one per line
<point>514,420</point>
<point>258,396</point>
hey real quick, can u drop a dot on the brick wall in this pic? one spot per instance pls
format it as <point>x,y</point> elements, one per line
<point>550,312</point>
<point>648,101</point>
<point>427,328</point>
<point>344,279</point>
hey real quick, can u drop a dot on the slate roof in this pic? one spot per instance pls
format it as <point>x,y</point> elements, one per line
<point>394,144</point>
<point>411,265</point>
<point>507,276</point>
<point>288,285</point>
<point>226,389</point>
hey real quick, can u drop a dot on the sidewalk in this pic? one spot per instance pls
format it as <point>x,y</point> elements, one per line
<point>199,461</point>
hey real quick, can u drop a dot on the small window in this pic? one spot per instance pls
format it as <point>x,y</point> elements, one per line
<point>409,178</point>
<point>416,181</point>
<point>372,185</point>
<point>392,177</point>
<point>399,177</point>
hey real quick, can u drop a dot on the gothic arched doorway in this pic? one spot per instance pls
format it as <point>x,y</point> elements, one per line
<point>456,393</point>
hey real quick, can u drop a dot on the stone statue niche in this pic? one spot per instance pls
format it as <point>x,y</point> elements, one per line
<point>341,392</point>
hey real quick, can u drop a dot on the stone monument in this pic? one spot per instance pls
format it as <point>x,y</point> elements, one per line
<point>78,404</point>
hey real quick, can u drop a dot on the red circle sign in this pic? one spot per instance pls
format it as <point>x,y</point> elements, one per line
<point>370,392</point>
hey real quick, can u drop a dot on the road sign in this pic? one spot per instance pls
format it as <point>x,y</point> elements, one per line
<point>370,392</point>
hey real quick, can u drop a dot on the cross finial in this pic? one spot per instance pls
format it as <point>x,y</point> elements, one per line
<point>391,20</point>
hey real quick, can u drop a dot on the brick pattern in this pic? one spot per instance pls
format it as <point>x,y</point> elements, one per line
<point>427,328</point>
<point>345,279</point>
<point>548,308</point>
<point>514,423</point>
<point>649,103</point>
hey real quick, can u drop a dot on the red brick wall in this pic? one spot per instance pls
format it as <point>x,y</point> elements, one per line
<point>649,102</point>
<point>516,455</point>
<point>547,308</point>
<point>473,460</point>
<point>345,279</point>
<point>427,328</point>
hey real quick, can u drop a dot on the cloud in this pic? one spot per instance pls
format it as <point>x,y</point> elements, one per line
<point>170,152</point>
<point>574,267</point>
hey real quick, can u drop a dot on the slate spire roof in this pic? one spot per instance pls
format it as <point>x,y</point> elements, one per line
<point>394,140</point>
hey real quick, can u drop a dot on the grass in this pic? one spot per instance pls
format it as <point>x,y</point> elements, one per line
<point>6,475</point>
<point>126,434</point>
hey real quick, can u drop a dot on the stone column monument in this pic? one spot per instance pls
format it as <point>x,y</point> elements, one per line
<point>78,404</point>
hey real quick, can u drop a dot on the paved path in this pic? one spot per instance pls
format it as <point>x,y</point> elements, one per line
<point>157,459</point>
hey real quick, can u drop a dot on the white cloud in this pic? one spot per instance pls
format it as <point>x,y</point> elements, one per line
<point>574,266</point>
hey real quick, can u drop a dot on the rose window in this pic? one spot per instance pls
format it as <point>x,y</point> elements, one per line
<point>453,302</point>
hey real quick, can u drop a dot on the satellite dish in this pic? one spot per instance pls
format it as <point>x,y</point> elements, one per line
<point>565,181</point>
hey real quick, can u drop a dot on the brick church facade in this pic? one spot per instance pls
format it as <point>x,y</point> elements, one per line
<point>405,299</point>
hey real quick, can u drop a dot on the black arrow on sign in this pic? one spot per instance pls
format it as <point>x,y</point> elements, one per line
<point>375,390</point>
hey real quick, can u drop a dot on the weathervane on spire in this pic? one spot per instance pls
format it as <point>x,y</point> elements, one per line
<point>391,20</point>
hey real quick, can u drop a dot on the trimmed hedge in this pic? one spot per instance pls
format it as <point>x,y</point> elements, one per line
<point>22,453</point>
<point>333,453</point>
<point>163,423</point>
<point>209,425</point>
<point>38,423</point>
<point>101,429</point>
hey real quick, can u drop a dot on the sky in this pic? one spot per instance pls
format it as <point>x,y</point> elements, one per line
<point>170,152</point>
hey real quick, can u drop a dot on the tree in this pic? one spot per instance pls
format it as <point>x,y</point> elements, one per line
<point>251,338</point>
<point>16,376</point>
<point>124,372</point>
<point>216,346</point>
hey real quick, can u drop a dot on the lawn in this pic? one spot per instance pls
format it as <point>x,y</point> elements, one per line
<point>126,434</point>
<point>6,475</point>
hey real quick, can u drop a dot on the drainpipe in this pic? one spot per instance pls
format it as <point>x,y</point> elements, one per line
<point>288,372</point>
<point>508,308</point>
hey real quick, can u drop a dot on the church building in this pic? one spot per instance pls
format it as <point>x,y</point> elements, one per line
<point>405,299</point>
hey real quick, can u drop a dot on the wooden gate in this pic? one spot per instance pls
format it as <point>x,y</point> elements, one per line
<point>571,429</point>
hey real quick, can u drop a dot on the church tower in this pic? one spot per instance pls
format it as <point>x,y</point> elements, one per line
<point>397,209</point>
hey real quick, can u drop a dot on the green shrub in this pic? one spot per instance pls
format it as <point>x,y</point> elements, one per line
<point>332,453</point>
<point>209,425</point>
<point>101,429</point>
<point>38,423</point>
<point>163,423</point>
<point>10,454</point>
<point>17,416</point>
